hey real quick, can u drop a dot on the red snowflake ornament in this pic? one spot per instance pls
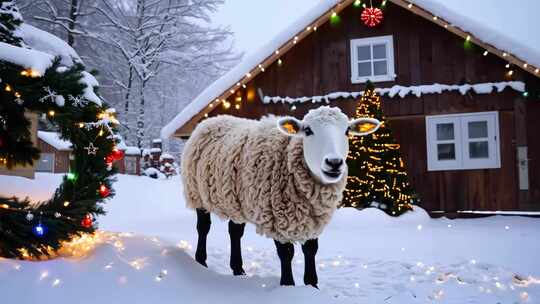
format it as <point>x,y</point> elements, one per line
<point>372,16</point>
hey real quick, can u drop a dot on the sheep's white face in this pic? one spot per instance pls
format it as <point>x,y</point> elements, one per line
<point>325,132</point>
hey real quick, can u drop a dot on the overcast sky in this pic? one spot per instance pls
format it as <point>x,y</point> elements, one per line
<point>255,22</point>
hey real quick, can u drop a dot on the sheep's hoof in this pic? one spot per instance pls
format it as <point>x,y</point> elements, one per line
<point>202,262</point>
<point>314,285</point>
<point>240,272</point>
<point>286,283</point>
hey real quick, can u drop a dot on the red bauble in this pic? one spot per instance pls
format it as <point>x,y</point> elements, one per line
<point>87,221</point>
<point>109,160</point>
<point>117,154</point>
<point>104,191</point>
<point>372,16</point>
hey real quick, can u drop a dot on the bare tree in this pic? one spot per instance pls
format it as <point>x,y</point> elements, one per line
<point>63,17</point>
<point>159,35</point>
<point>153,55</point>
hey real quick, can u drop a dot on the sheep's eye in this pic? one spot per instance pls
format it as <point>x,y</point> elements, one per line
<point>308,131</point>
<point>347,131</point>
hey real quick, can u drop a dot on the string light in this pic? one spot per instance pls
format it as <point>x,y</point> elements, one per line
<point>51,113</point>
<point>30,73</point>
<point>486,53</point>
<point>8,88</point>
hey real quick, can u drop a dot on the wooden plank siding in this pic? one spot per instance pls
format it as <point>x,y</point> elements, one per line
<point>61,158</point>
<point>424,53</point>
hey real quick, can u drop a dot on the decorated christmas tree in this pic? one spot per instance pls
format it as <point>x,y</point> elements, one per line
<point>377,173</point>
<point>34,79</point>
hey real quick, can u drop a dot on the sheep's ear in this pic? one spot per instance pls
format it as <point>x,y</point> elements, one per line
<point>290,126</point>
<point>364,126</point>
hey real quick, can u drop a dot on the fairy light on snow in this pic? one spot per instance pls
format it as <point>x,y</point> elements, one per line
<point>138,264</point>
<point>43,275</point>
<point>184,245</point>
<point>419,227</point>
<point>55,283</point>
<point>507,227</point>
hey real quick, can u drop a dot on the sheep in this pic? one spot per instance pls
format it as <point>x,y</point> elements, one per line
<point>281,174</point>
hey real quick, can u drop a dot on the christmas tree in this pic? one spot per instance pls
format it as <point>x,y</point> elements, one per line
<point>33,81</point>
<point>377,173</point>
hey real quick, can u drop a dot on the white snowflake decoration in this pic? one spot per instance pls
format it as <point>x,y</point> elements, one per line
<point>78,101</point>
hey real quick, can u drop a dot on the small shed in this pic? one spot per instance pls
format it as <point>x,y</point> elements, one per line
<point>55,153</point>
<point>132,160</point>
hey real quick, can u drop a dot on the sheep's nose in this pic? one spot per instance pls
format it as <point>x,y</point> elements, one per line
<point>334,163</point>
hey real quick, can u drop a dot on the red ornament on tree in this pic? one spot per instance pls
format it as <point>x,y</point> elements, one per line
<point>117,154</point>
<point>372,16</point>
<point>87,221</point>
<point>104,191</point>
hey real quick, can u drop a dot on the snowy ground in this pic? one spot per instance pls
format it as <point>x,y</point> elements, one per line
<point>364,257</point>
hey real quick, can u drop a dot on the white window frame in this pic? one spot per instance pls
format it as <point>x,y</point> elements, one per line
<point>462,140</point>
<point>389,42</point>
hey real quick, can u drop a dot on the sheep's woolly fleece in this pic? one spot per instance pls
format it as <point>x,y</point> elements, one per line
<point>248,171</point>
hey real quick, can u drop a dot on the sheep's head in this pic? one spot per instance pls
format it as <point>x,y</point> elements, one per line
<point>325,132</point>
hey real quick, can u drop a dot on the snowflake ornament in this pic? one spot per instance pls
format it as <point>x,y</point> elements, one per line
<point>372,16</point>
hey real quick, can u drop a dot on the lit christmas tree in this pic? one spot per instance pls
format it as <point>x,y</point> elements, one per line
<point>377,173</point>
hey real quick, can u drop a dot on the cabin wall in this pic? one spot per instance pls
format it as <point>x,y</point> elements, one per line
<point>61,158</point>
<point>424,53</point>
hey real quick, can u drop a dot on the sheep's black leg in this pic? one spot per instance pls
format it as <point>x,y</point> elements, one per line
<point>286,254</point>
<point>310,248</point>
<point>203,227</point>
<point>236,231</point>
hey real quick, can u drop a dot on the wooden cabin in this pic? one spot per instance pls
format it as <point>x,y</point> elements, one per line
<point>459,102</point>
<point>55,153</point>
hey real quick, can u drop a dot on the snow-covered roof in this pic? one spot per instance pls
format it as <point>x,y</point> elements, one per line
<point>244,71</point>
<point>166,156</point>
<point>132,151</point>
<point>53,139</point>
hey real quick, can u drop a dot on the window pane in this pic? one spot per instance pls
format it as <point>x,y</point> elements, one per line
<point>364,52</point>
<point>446,152</point>
<point>45,162</point>
<point>379,68</point>
<point>364,69</point>
<point>379,51</point>
<point>479,149</point>
<point>445,131</point>
<point>478,129</point>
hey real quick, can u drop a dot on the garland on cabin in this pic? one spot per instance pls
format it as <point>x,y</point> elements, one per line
<point>29,230</point>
